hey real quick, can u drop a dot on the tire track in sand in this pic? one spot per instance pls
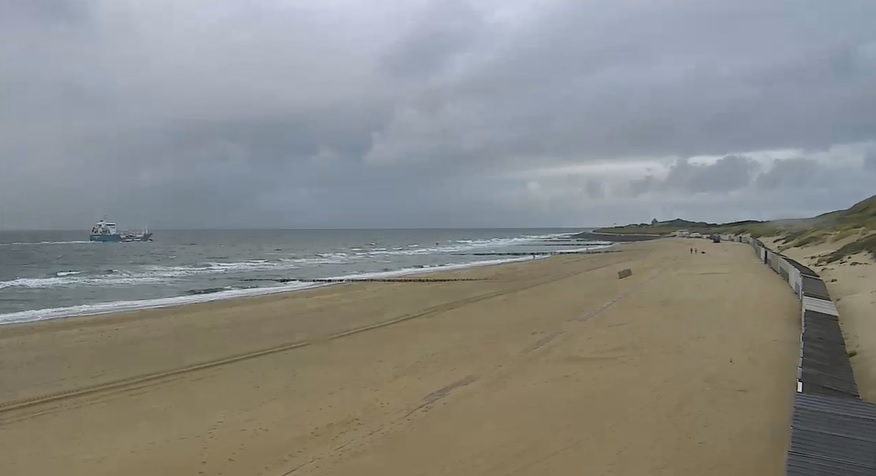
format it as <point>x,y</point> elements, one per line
<point>142,380</point>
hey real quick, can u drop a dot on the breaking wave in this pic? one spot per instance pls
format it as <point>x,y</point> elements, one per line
<point>216,293</point>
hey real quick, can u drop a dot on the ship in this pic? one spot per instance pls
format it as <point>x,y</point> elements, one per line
<point>105,231</point>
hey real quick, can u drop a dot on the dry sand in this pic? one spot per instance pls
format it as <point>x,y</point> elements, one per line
<point>549,367</point>
<point>852,285</point>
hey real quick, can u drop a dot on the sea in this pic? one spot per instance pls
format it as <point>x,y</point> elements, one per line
<point>58,274</point>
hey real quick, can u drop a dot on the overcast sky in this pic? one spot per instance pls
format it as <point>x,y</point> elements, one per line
<point>432,113</point>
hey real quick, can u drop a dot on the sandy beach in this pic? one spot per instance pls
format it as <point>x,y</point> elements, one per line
<point>552,366</point>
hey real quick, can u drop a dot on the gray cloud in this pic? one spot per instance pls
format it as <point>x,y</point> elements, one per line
<point>794,186</point>
<point>810,183</point>
<point>595,189</point>
<point>793,173</point>
<point>446,29</point>
<point>572,86</point>
<point>422,114</point>
<point>870,162</point>
<point>729,173</point>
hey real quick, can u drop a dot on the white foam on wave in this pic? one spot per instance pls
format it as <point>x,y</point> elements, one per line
<point>116,279</point>
<point>459,246</point>
<point>67,273</point>
<point>33,282</point>
<point>148,274</point>
<point>434,269</point>
<point>159,274</point>
<point>586,248</point>
<point>121,306</point>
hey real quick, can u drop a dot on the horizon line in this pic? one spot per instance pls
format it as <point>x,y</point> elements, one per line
<point>18,230</point>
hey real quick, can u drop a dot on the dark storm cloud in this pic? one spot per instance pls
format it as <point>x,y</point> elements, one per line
<point>222,113</point>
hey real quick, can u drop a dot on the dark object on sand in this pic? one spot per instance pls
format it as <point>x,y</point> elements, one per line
<point>624,273</point>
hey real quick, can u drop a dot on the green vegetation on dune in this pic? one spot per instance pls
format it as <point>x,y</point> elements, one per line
<point>861,215</point>
<point>665,228</point>
<point>857,220</point>
<point>866,244</point>
<point>637,230</point>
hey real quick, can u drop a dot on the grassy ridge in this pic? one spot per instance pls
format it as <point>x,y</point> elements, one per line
<point>859,220</point>
<point>754,228</point>
<point>866,244</point>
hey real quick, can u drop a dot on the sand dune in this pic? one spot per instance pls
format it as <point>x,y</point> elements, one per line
<point>549,367</point>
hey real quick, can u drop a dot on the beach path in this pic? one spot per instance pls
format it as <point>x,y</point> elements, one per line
<point>553,366</point>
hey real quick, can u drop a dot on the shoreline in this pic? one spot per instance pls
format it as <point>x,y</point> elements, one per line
<point>192,265</point>
<point>112,307</point>
<point>533,367</point>
<point>104,308</point>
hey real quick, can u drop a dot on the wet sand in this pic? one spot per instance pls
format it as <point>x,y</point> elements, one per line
<point>552,366</point>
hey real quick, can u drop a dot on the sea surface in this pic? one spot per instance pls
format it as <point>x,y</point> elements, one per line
<point>46,275</point>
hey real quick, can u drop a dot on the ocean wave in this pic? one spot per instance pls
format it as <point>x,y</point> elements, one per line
<point>122,306</point>
<point>33,282</point>
<point>462,245</point>
<point>150,274</point>
<point>97,279</point>
<point>195,292</point>
<point>324,258</point>
<point>157,274</point>
<point>586,248</point>
<point>61,274</point>
<point>216,294</point>
<point>422,269</point>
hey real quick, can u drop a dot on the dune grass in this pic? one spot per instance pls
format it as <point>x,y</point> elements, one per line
<point>845,233</point>
<point>866,244</point>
